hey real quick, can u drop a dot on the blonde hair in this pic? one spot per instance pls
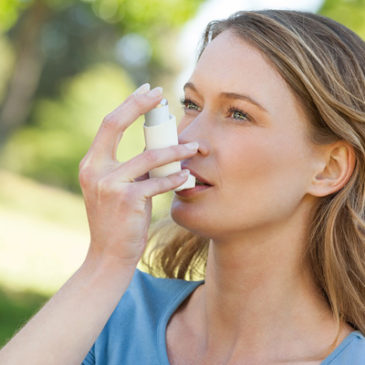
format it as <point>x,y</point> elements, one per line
<point>322,61</point>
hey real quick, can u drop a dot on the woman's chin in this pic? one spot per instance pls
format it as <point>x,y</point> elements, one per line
<point>180,215</point>
<point>189,219</point>
<point>182,211</point>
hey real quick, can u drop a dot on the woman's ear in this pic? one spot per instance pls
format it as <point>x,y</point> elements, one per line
<point>334,170</point>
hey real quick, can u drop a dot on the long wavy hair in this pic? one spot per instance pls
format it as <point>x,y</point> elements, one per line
<point>322,62</point>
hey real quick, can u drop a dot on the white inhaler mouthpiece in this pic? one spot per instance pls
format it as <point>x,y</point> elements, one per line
<point>159,132</point>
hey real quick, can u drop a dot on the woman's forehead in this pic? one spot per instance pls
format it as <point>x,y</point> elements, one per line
<point>231,64</point>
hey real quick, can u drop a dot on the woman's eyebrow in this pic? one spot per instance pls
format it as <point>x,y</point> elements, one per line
<point>190,85</point>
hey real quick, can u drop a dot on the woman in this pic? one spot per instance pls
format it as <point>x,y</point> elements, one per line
<point>274,125</point>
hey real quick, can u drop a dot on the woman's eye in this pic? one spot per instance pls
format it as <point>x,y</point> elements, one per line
<point>188,104</point>
<point>233,112</point>
<point>238,114</point>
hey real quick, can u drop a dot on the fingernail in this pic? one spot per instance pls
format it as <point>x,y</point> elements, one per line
<point>192,145</point>
<point>184,172</point>
<point>156,92</point>
<point>142,89</point>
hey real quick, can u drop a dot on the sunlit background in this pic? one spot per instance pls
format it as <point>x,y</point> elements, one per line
<point>64,64</point>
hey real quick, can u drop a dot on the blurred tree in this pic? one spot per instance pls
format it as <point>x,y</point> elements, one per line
<point>348,12</point>
<point>27,67</point>
<point>51,148</point>
<point>54,39</point>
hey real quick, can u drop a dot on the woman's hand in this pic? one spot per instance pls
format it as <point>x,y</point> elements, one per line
<point>118,202</point>
<point>118,195</point>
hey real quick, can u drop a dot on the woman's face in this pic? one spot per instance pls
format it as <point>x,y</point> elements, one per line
<point>254,144</point>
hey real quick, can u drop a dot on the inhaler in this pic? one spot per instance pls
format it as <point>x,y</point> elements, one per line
<point>159,132</point>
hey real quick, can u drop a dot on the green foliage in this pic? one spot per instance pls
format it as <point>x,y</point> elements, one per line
<point>350,13</point>
<point>131,15</point>
<point>78,49</point>
<point>10,11</point>
<point>51,148</point>
<point>6,62</point>
<point>158,14</point>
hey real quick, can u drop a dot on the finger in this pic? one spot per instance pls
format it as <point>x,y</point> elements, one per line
<point>159,185</point>
<point>150,159</point>
<point>115,123</point>
<point>142,177</point>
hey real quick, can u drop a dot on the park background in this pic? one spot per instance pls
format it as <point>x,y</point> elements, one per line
<point>64,64</point>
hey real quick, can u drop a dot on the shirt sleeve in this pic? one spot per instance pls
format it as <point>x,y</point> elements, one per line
<point>90,357</point>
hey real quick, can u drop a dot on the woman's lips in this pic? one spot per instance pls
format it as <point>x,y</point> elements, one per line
<point>201,184</point>
<point>197,176</point>
<point>187,193</point>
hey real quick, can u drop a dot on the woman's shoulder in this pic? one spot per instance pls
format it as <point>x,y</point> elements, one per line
<point>146,290</point>
<point>350,351</point>
<point>140,318</point>
<point>148,299</point>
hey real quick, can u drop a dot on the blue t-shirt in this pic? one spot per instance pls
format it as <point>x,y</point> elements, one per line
<point>135,332</point>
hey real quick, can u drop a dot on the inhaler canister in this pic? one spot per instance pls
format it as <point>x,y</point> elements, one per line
<point>159,132</point>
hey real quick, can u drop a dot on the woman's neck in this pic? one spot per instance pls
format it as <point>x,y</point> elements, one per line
<point>259,294</point>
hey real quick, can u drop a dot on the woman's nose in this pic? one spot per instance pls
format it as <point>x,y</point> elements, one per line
<point>194,132</point>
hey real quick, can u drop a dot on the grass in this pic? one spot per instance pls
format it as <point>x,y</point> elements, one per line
<point>43,240</point>
<point>43,202</point>
<point>43,234</point>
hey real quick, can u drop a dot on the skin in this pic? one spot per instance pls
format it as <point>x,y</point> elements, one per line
<point>259,303</point>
